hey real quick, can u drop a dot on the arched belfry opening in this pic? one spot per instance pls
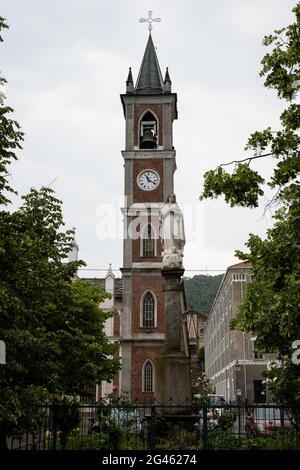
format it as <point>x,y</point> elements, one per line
<point>148,131</point>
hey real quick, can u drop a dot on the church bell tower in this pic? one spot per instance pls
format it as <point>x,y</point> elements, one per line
<point>149,108</point>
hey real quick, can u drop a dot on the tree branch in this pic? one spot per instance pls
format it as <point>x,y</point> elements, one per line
<point>246,159</point>
<point>271,203</point>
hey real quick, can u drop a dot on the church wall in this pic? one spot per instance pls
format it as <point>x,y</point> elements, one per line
<point>139,356</point>
<point>139,286</point>
<point>143,273</point>
<point>117,325</point>
<point>125,373</point>
<point>148,196</point>
<point>136,245</point>
<point>169,168</point>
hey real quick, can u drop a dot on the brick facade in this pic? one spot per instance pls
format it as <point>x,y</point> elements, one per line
<point>157,195</point>
<point>136,244</point>
<point>139,286</point>
<point>140,354</point>
<point>142,274</point>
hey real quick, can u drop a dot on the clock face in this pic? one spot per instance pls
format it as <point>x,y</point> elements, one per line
<point>148,180</point>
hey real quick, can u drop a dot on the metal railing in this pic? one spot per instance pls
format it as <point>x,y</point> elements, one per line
<point>151,426</point>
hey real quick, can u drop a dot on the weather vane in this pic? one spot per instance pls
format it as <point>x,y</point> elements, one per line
<point>150,20</point>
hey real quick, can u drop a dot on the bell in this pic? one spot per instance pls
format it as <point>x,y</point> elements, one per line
<point>148,140</point>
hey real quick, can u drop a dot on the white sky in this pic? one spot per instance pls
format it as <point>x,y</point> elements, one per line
<point>66,62</point>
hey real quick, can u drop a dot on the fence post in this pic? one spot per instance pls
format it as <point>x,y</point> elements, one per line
<point>282,416</point>
<point>239,412</point>
<point>3,439</point>
<point>54,428</point>
<point>205,432</point>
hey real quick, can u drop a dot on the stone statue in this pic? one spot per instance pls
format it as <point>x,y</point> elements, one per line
<point>171,233</point>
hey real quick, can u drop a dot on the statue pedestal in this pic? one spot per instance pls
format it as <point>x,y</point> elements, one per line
<point>172,367</point>
<point>173,381</point>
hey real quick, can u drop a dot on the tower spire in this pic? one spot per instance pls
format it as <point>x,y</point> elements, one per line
<point>109,272</point>
<point>129,82</point>
<point>149,81</point>
<point>167,82</point>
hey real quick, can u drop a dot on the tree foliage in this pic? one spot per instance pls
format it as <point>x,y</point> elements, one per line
<point>51,322</point>
<point>10,136</point>
<point>271,307</point>
<point>52,326</point>
<point>201,358</point>
<point>281,70</point>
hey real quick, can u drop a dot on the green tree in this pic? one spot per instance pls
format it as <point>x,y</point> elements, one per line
<point>50,321</point>
<point>52,326</point>
<point>201,358</point>
<point>281,69</point>
<point>271,306</point>
<point>10,136</point>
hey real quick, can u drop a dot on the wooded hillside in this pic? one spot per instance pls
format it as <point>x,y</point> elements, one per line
<point>201,290</point>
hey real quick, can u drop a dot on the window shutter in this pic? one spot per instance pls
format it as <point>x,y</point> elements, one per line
<point>250,349</point>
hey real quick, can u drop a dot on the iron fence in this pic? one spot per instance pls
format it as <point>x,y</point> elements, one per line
<point>168,426</point>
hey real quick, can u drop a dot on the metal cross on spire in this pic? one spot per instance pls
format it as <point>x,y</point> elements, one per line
<point>150,20</point>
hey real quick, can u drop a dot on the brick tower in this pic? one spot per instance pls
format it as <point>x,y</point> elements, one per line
<point>149,163</point>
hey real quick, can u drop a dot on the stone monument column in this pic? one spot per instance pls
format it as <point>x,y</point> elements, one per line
<point>172,367</point>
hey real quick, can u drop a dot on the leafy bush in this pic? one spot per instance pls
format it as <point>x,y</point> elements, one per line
<point>65,418</point>
<point>118,422</point>
<point>285,440</point>
<point>180,440</point>
<point>226,420</point>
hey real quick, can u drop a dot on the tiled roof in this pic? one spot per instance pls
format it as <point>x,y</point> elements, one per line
<point>101,282</point>
<point>196,312</point>
<point>244,264</point>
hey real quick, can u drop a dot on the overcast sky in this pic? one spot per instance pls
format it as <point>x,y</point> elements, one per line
<point>66,62</point>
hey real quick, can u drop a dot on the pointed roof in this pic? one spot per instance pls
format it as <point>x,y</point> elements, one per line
<point>73,253</point>
<point>167,76</point>
<point>129,78</point>
<point>109,272</point>
<point>129,83</point>
<point>149,81</point>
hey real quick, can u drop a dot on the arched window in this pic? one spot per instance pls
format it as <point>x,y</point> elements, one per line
<point>148,377</point>
<point>148,311</point>
<point>148,245</point>
<point>148,131</point>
